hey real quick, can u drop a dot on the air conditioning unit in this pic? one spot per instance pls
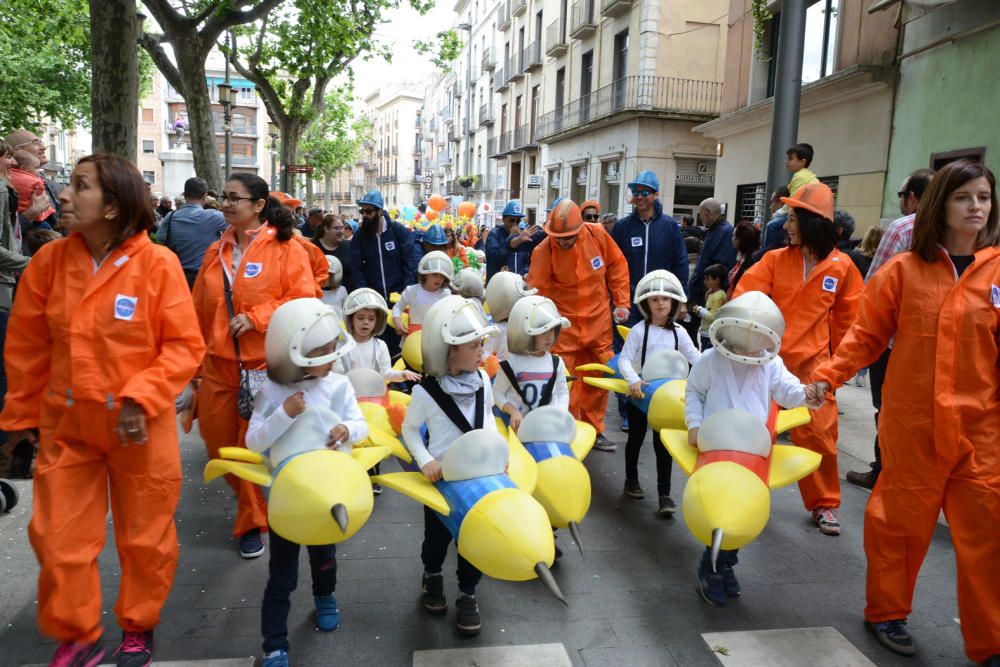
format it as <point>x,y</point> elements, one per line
<point>534,181</point>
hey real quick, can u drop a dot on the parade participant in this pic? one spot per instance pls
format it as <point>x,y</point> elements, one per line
<point>331,239</point>
<point>365,315</point>
<point>334,291</point>
<point>941,410</point>
<point>509,246</point>
<point>434,272</point>
<point>454,397</point>
<point>383,256</point>
<point>576,266</point>
<point>435,239</point>
<point>658,296</point>
<point>715,297</point>
<point>743,371</point>
<point>502,292</point>
<point>531,376</point>
<point>455,249</point>
<point>255,267</point>
<point>303,342</point>
<point>114,313</point>
<point>816,287</point>
<point>320,268</point>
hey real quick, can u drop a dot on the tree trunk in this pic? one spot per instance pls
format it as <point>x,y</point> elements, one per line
<point>204,145</point>
<point>114,98</point>
<point>327,195</point>
<point>291,133</point>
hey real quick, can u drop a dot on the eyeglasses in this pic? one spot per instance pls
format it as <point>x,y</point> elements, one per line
<point>641,193</point>
<point>366,211</point>
<point>33,142</point>
<point>233,198</point>
<point>592,217</point>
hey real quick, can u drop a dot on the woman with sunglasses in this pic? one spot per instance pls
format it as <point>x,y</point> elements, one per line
<point>258,266</point>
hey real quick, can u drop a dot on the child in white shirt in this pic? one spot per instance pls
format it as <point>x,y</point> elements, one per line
<point>502,292</point>
<point>434,272</point>
<point>531,376</point>
<point>333,292</point>
<point>365,316</point>
<point>452,347</point>
<point>298,383</point>
<point>741,371</point>
<point>658,297</point>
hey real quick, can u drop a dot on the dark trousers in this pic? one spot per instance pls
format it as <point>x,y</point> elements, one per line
<point>435,547</point>
<point>283,577</point>
<point>190,275</point>
<point>638,422</point>
<point>876,372</point>
<point>4,316</point>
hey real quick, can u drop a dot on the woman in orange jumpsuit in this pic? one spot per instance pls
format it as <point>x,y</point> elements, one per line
<point>817,288</point>
<point>940,423</point>
<point>103,344</point>
<point>265,267</point>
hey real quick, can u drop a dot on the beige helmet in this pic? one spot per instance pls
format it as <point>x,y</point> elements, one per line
<point>531,316</point>
<point>451,321</point>
<point>502,291</point>
<point>548,423</point>
<point>336,270</point>
<point>657,283</point>
<point>735,430</point>
<point>665,365</point>
<point>361,299</point>
<point>468,283</point>
<point>296,328</point>
<point>748,329</point>
<point>436,262</point>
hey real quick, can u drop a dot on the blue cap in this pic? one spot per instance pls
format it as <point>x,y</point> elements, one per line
<point>513,209</point>
<point>554,204</point>
<point>435,235</point>
<point>353,224</point>
<point>372,198</point>
<point>646,179</point>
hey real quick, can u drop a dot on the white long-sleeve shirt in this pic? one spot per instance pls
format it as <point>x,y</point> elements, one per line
<point>332,392</point>
<point>630,359</point>
<point>716,383</point>
<point>532,375</point>
<point>335,298</point>
<point>441,430</point>
<point>419,300</point>
<point>374,354</point>
<point>500,340</point>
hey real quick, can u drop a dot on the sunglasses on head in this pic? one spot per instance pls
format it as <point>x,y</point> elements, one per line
<point>592,217</point>
<point>641,193</point>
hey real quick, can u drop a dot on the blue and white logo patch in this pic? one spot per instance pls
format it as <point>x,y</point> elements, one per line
<point>636,241</point>
<point>252,269</point>
<point>995,296</point>
<point>390,245</point>
<point>125,307</point>
<point>597,262</point>
<point>829,284</point>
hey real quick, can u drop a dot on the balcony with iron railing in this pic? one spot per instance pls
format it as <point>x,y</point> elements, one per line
<point>485,115</point>
<point>531,57</point>
<point>489,61</point>
<point>503,16</point>
<point>444,159</point>
<point>446,115</point>
<point>583,19</point>
<point>614,8</point>
<point>669,97</point>
<point>500,83</point>
<point>518,7</point>
<point>388,178</point>
<point>555,38</point>
<point>525,136</point>
<point>513,68</point>
<point>458,88</point>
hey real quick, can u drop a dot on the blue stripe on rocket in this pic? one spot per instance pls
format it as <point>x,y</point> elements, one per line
<point>462,495</point>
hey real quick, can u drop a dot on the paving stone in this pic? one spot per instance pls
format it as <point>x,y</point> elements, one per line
<point>535,655</point>
<point>790,647</point>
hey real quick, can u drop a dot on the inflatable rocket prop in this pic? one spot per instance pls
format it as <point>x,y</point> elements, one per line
<point>382,409</point>
<point>664,375</point>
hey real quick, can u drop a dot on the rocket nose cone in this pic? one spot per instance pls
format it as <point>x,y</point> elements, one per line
<point>339,513</point>
<point>543,572</point>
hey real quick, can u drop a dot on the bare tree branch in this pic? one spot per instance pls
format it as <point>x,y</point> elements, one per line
<point>151,43</point>
<point>220,21</point>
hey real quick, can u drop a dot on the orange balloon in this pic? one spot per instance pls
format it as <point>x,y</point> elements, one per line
<point>431,214</point>
<point>437,202</point>
<point>467,210</point>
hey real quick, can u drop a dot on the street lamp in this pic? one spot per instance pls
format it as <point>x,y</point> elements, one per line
<point>227,97</point>
<point>272,131</point>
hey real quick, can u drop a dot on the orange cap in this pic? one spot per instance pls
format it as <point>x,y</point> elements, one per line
<point>287,200</point>
<point>815,197</point>
<point>590,203</point>
<point>564,220</point>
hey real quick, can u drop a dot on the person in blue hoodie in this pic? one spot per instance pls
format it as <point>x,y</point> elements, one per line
<point>383,255</point>
<point>509,245</point>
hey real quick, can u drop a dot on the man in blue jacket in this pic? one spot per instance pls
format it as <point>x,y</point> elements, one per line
<point>383,256</point>
<point>508,245</point>
<point>717,249</point>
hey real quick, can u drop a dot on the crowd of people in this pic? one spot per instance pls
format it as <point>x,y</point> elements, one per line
<point>106,356</point>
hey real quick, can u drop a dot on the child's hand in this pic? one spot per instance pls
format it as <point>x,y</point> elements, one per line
<point>515,418</point>
<point>338,435</point>
<point>432,471</point>
<point>295,404</point>
<point>401,329</point>
<point>635,390</point>
<point>693,437</point>
<point>410,376</point>
<point>620,314</point>
<point>818,391</point>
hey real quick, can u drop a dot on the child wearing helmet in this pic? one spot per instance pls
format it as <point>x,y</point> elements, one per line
<point>434,272</point>
<point>658,298</point>
<point>304,339</point>
<point>743,371</point>
<point>453,398</point>
<point>365,317</point>
<point>502,292</point>
<point>334,292</point>
<point>531,376</point>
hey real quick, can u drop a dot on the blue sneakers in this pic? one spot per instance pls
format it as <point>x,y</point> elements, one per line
<point>327,614</point>
<point>277,658</point>
<point>710,586</point>
<point>251,544</point>
<point>729,583</point>
<point>893,636</point>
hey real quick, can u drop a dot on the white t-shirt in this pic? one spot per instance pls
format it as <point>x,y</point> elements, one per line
<point>419,300</point>
<point>441,430</point>
<point>716,383</point>
<point>335,298</point>
<point>373,354</point>
<point>630,359</point>
<point>532,374</point>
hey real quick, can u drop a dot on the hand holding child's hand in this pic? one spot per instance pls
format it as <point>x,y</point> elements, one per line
<point>693,437</point>
<point>818,390</point>
<point>338,435</point>
<point>432,471</point>
<point>295,404</point>
<point>635,390</point>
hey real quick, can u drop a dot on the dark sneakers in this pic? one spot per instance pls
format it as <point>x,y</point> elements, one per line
<point>136,649</point>
<point>710,586</point>
<point>866,480</point>
<point>667,507</point>
<point>467,618</point>
<point>730,585</point>
<point>893,636</point>
<point>633,490</point>
<point>432,594</point>
<point>251,544</point>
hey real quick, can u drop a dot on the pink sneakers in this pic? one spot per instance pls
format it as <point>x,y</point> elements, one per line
<point>828,520</point>
<point>77,655</point>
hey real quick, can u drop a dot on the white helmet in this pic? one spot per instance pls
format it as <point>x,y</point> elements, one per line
<point>503,290</point>
<point>531,316</point>
<point>657,283</point>
<point>746,327</point>
<point>451,321</point>
<point>362,299</point>
<point>436,262</point>
<point>296,328</point>
<point>468,283</point>
<point>336,270</point>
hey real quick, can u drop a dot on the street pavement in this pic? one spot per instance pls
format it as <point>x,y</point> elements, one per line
<point>632,598</point>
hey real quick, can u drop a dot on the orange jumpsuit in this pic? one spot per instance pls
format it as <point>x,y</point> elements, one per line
<point>578,280</point>
<point>317,260</point>
<point>270,273</point>
<point>939,431</point>
<point>818,310</point>
<point>84,342</point>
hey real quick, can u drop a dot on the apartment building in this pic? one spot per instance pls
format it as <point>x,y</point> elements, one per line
<point>393,160</point>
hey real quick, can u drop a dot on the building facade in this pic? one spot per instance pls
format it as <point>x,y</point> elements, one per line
<point>393,160</point>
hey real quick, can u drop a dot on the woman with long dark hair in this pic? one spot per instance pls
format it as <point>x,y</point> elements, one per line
<point>104,343</point>
<point>250,271</point>
<point>746,240</point>
<point>939,428</point>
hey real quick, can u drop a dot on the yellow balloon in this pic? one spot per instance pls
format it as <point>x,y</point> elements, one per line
<point>729,496</point>
<point>506,534</point>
